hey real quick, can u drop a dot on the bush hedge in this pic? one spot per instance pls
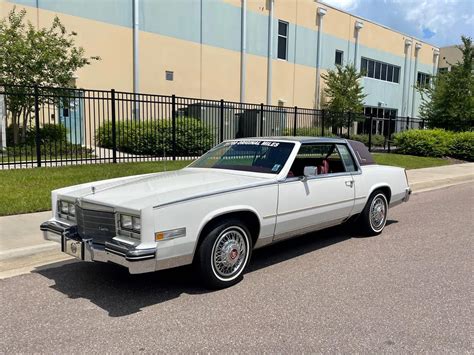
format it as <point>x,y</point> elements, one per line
<point>436,143</point>
<point>49,133</point>
<point>462,146</point>
<point>155,137</point>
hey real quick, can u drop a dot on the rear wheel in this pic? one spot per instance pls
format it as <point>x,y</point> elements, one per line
<point>374,215</point>
<point>224,254</point>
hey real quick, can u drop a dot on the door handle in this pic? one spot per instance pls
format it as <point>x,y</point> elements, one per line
<point>350,183</point>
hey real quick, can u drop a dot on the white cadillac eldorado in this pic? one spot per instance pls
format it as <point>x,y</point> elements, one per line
<point>241,195</point>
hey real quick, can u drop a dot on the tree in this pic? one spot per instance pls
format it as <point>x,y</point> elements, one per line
<point>344,93</point>
<point>448,102</point>
<point>343,90</point>
<point>28,56</point>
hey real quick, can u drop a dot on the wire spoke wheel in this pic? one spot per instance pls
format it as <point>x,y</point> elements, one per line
<point>230,253</point>
<point>378,213</point>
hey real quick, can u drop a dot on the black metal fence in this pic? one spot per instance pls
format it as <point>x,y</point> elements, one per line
<point>63,126</point>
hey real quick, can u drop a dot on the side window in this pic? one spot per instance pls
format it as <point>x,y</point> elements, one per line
<point>324,157</point>
<point>346,157</point>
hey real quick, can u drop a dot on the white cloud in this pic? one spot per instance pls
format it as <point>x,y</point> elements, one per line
<point>347,5</point>
<point>441,22</point>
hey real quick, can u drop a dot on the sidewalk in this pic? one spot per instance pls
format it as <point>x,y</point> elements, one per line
<point>20,235</point>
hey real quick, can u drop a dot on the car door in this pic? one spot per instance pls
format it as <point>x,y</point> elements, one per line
<point>314,202</point>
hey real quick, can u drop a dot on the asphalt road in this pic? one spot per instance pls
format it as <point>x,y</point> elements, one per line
<point>407,290</point>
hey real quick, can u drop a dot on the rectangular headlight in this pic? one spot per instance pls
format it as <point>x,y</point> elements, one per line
<point>64,207</point>
<point>130,223</point>
<point>126,221</point>
<point>66,210</point>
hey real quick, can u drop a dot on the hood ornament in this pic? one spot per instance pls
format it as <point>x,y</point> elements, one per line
<point>93,189</point>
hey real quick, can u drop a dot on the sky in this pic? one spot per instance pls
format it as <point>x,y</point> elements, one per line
<point>438,22</point>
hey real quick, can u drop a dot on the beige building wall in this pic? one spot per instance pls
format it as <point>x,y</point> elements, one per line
<point>449,56</point>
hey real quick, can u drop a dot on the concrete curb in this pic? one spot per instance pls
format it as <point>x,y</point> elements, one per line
<point>423,186</point>
<point>26,251</point>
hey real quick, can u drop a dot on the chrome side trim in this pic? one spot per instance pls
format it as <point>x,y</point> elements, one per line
<point>274,182</point>
<point>323,176</point>
<point>305,230</point>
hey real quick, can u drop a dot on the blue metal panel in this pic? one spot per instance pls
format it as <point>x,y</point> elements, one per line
<point>382,91</point>
<point>306,46</point>
<point>221,25</point>
<point>115,12</point>
<point>257,34</point>
<point>179,19</point>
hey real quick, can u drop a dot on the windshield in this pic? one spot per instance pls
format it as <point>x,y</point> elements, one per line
<point>256,156</point>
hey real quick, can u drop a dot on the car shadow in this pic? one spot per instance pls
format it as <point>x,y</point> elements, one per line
<point>113,289</point>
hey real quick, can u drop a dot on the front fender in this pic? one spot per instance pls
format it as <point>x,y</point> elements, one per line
<point>220,212</point>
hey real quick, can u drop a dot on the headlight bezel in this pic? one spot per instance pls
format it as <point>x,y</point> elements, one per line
<point>132,227</point>
<point>66,210</point>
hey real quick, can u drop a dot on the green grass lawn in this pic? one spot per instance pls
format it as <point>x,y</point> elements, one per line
<point>29,190</point>
<point>408,161</point>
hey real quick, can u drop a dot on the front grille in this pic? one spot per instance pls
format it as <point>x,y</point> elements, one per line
<point>96,225</point>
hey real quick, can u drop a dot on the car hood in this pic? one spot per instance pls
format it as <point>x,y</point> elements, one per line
<point>138,192</point>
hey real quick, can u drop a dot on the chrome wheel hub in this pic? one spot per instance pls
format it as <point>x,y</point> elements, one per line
<point>229,252</point>
<point>378,211</point>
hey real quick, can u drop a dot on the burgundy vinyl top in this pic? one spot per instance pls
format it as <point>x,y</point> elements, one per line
<point>362,153</point>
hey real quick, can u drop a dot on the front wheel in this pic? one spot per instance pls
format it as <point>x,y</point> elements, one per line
<point>224,254</point>
<point>374,215</point>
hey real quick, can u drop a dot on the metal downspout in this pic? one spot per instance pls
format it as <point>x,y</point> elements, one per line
<point>321,12</point>
<point>243,52</point>
<point>405,72</point>
<point>136,65</point>
<point>270,53</point>
<point>415,78</point>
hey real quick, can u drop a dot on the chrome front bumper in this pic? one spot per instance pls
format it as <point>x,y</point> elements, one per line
<point>137,261</point>
<point>407,194</point>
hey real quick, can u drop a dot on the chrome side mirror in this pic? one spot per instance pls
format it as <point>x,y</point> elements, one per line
<point>309,171</point>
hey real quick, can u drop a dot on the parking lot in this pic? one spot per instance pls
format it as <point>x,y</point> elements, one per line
<point>407,290</point>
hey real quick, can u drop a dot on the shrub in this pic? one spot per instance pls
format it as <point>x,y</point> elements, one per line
<point>49,133</point>
<point>427,143</point>
<point>156,137</point>
<point>462,146</point>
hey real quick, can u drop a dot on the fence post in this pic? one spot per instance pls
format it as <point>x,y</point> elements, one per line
<point>37,128</point>
<point>371,120</point>
<point>389,133</point>
<point>408,123</point>
<point>261,120</point>
<point>295,122</point>
<point>349,125</point>
<point>221,124</point>
<point>322,122</point>
<point>114,127</point>
<point>173,122</point>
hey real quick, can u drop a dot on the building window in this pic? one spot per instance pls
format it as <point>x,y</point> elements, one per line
<point>423,79</point>
<point>380,112</point>
<point>169,75</point>
<point>339,57</point>
<point>443,70</point>
<point>380,70</point>
<point>283,40</point>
